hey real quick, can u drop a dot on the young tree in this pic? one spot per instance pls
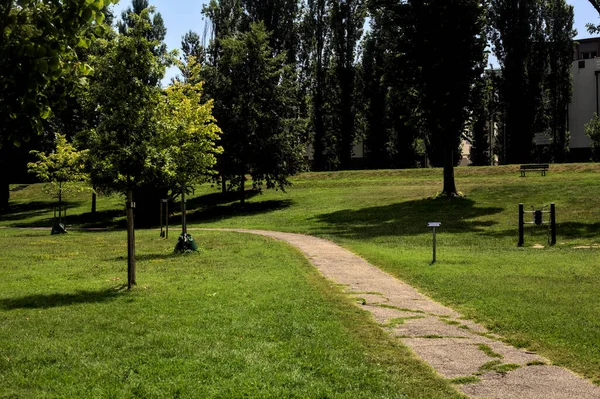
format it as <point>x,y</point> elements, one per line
<point>127,102</point>
<point>592,130</point>
<point>261,135</point>
<point>447,50</point>
<point>60,169</point>
<point>185,151</point>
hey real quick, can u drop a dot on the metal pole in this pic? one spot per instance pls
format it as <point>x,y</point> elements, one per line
<point>183,215</point>
<point>434,245</point>
<point>521,225</point>
<point>161,218</point>
<point>552,224</point>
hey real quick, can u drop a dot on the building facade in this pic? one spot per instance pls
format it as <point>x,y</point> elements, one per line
<point>585,102</point>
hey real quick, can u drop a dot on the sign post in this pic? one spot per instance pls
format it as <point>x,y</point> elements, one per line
<point>434,225</point>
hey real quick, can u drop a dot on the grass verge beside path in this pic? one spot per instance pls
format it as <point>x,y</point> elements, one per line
<point>245,317</point>
<point>545,299</point>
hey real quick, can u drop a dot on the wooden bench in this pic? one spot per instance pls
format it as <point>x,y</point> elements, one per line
<point>540,167</point>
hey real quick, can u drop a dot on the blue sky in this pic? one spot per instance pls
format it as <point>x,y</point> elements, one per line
<point>180,16</point>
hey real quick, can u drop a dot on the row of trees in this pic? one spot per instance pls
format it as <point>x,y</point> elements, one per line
<point>412,84</point>
<point>134,137</point>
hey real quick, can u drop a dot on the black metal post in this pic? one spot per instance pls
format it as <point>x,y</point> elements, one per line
<point>434,247</point>
<point>521,226</point>
<point>161,218</point>
<point>552,224</point>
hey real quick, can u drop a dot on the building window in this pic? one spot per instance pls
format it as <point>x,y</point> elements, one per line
<point>593,54</point>
<point>585,55</point>
<point>581,64</point>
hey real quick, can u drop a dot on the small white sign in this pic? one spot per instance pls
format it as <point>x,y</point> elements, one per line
<point>434,224</point>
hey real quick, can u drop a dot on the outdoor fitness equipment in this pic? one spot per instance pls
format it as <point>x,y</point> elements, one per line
<point>538,220</point>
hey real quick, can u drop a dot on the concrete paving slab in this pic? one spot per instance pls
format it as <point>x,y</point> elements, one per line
<point>533,382</point>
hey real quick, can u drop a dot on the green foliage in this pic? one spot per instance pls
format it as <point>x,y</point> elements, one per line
<point>592,130</point>
<point>186,146</point>
<point>255,105</point>
<point>533,44</point>
<point>62,167</point>
<point>347,20</point>
<point>559,35</point>
<point>38,44</point>
<point>126,94</point>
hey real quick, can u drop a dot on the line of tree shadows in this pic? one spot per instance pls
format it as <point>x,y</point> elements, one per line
<point>457,215</point>
<point>218,206</point>
<point>26,210</point>
<point>205,208</point>
<point>55,300</point>
<point>34,209</point>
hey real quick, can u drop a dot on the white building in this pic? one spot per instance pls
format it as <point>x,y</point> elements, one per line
<point>585,71</point>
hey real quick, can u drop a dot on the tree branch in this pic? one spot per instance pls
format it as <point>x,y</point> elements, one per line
<point>595,4</point>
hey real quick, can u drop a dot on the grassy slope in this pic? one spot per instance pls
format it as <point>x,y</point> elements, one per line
<point>246,317</point>
<point>543,299</point>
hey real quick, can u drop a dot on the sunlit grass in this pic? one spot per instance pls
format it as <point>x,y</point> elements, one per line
<point>244,317</point>
<point>543,299</point>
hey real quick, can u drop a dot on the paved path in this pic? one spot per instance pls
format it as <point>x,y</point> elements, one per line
<point>454,347</point>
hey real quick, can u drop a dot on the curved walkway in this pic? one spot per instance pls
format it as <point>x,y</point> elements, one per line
<point>454,347</point>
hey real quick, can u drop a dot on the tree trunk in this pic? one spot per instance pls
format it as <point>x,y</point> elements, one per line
<point>243,189</point>
<point>223,185</point>
<point>183,212</point>
<point>4,192</point>
<point>449,184</point>
<point>347,118</point>
<point>93,199</point>
<point>130,237</point>
<point>4,180</point>
<point>59,204</point>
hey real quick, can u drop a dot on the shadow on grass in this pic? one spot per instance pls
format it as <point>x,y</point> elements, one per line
<point>219,211</point>
<point>26,210</point>
<point>161,256</point>
<point>56,300</point>
<point>214,199</point>
<point>567,230</point>
<point>457,215</point>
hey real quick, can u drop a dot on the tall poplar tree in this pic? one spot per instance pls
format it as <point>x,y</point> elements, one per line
<point>446,49</point>
<point>315,58</point>
<point>347,21</point>
<point>519,45</point>
<point>559,18</point>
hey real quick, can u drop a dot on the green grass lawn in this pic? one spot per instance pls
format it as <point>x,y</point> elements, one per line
<point>245,317</point>
<point>543,299</point>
